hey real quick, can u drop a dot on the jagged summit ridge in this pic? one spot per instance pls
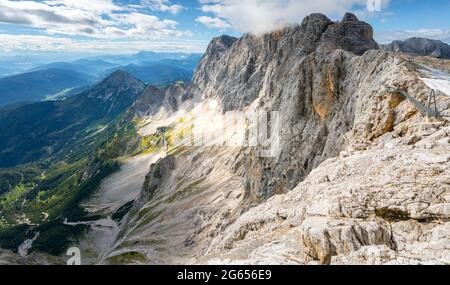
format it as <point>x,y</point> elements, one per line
<point>236,71</point>
<point>349,34</point>
<point>312,29</point>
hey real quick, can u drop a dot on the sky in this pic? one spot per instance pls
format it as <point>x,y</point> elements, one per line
<point>128,26</point>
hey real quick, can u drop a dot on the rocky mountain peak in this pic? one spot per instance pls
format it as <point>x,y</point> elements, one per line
<point>350,17</point>
<point>350,34</point>
<point>120,78</point>
<point>118,82</point>
<point>237,71</point>
<point>313,27</point>
<point>220,44</point>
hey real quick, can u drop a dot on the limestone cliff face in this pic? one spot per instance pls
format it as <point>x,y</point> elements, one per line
<point>315,76</point>
<point>239,71</point>
<point>343,174</point>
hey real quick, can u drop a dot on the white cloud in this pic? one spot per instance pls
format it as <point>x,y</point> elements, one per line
<point>260,16</point>
<point>93,18</point>
<point>163,5</point>
<point>93,6</point>
<point>213,23</point>
<point>147,26</point>
<point>10,43</point>
<point>436,34</point>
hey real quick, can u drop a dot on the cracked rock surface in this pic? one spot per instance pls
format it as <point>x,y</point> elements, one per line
<point>379,206</point>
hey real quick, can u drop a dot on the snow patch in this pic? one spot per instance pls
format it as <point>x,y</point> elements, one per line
<point>436,79</point>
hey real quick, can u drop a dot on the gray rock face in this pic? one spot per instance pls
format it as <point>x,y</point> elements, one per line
<point>388,204</point>
<point>153,99</point>
<point>237,72</point>
<point>149,102</point>
<point>174,97</point>
<point>420,46</point>
<point>351,35</point>
<point>205,70</point>
<point>312,29</point>
<point>220,45</point>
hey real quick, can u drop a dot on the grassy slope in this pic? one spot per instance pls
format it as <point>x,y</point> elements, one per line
<point>35,86</point>
<point>57,188</point>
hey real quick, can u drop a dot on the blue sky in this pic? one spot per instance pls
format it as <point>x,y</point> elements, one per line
<point>126,26</point>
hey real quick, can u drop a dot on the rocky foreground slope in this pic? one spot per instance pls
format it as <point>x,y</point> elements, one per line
<point>388,204</point>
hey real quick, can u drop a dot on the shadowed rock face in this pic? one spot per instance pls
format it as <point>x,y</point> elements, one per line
<point>220,45</point>
<point>351,35</point>
<point>149,102</point>
<point>153,99</point>
<point>420,46</point>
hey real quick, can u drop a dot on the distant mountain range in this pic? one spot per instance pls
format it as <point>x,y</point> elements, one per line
<point>90,67</point>
<point>420,46</point>
<point>163,71</point>
<point>13,65</point>
<point>36,131</point>
<point>37,85</point>
<point>156,74</point>
<point>16,64</point>
<point>144,57</point>
<point>64,79</point>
